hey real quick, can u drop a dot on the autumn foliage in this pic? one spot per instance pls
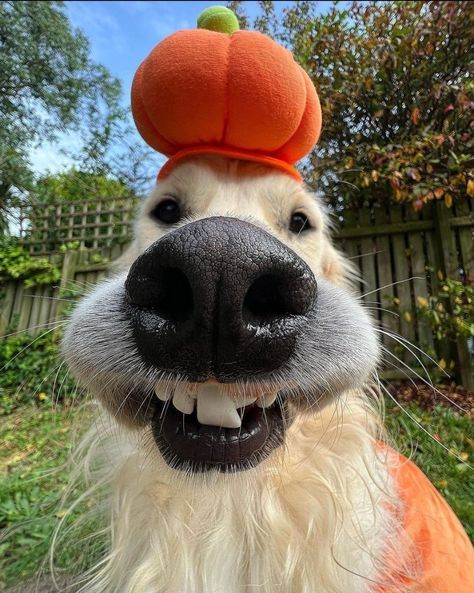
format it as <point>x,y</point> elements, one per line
<point>396,93</point>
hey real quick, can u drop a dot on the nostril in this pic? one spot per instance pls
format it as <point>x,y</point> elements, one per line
<point>168,292</point>
<point>175,299</point>
<point>268,298</point>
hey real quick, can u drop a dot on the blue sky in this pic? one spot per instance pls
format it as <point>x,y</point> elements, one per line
<point>121,34</point>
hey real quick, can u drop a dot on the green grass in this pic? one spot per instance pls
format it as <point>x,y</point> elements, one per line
<point>36,440</point>
<point>450,471</point>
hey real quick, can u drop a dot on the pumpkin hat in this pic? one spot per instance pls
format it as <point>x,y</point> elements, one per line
<point>219,90</point>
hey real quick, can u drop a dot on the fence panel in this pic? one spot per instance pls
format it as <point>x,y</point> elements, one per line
<point>91,224</point>
<point>401,256</point>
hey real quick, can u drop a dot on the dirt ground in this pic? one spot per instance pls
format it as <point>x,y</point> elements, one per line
<point>427,397</point>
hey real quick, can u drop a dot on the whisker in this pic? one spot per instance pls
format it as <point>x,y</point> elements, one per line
<point>30,329</point>
<point>26,348</point>
<point>420,426</point>
<point>428,384</point>
<point>392,284</point>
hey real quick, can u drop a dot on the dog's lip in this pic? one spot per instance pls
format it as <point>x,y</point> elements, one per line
<point>189,445</point>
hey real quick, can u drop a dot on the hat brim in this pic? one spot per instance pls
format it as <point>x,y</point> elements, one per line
<point>269,161</point>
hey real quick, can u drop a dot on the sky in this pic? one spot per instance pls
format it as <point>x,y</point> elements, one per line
<point>121,35</point>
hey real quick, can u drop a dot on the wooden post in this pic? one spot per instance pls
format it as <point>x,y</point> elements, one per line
<point>67,275</point>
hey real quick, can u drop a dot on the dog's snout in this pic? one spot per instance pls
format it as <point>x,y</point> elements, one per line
<point>218,297</point>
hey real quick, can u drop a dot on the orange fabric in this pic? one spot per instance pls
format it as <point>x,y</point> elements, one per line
<point>241,93</point>
<point>230,153</point>
<point>444,550</point>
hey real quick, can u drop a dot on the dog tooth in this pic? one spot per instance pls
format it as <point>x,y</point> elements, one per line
<point>163,393</point>
<point>182,400</point>
<point>265,401</point>
<point>241,402</point>
<point>215,408</point>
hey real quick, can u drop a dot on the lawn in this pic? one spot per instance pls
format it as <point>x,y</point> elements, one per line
<point>36,440</point>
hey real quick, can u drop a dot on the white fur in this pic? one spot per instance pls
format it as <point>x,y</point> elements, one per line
<point>314,518</point>
<point>318,515</point>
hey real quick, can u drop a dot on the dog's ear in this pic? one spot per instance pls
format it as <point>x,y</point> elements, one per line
<point>337,268</point>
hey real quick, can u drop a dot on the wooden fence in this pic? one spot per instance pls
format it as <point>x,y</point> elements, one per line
<point>401,255</point>
<point>84,224</point>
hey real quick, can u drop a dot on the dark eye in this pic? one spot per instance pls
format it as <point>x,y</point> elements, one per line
<point>167,211</point>
<point>299,222</point>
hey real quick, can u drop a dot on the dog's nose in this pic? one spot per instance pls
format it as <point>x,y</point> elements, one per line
<point>220,298</point>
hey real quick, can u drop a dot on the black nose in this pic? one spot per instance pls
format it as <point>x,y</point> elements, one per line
<point>220,298</point>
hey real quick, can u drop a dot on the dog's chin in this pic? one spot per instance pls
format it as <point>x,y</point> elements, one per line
<point>191,446</point>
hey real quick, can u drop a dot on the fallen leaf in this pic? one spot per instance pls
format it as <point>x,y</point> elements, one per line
<point>448,200</point>
<point>415,116</point>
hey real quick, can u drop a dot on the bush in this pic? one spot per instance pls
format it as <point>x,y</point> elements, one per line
<point>15,263</point>
<point>31,371</point>
<point>451,311</point>
<point>397,98</point>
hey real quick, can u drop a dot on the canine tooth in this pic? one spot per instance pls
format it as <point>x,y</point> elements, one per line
<point>182,400</point>
<point>265,401</point>
<point>241,402</point>
<point>216,408</point>
<point>162,393</point>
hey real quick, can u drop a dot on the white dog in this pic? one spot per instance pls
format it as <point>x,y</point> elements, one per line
<point>239,437</point>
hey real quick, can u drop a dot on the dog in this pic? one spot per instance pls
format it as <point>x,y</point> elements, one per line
<point>239,439</point>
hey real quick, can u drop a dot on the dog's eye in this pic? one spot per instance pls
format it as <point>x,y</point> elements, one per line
<point>167,211</point>
<point>299,222</point>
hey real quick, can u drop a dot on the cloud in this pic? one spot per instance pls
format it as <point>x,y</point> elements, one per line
<point>99,21</point>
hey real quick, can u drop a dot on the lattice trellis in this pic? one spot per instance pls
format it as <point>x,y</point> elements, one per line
<point>88,224</point>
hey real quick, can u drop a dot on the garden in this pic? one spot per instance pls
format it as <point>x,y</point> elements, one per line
<point>394,167</point>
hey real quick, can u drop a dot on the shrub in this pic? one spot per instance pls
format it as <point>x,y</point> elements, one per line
<point>397,98</point>
<point>31,371</point>
<point>16,262</point>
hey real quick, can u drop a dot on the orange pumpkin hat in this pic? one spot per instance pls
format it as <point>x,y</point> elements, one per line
<point>218,90</point>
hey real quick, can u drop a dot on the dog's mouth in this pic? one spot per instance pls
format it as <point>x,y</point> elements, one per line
<point>205,427</point>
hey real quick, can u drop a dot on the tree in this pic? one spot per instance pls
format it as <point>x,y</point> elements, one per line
<point>396,93</point>
<point>75,185</point>
<point>48,85</point>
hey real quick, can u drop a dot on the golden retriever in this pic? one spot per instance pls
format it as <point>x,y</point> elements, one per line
<point>238,429</point>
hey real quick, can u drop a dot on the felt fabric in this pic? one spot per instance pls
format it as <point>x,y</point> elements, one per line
<point>442,545</point>
<point>241,92</point>
<point>218,18</point>
<point>231,153</point>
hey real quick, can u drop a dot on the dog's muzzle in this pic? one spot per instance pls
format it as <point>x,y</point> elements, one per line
<point>218,298</point>
<point>218,301</point>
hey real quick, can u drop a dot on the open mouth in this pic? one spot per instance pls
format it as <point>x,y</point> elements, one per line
<point>202,427</point>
